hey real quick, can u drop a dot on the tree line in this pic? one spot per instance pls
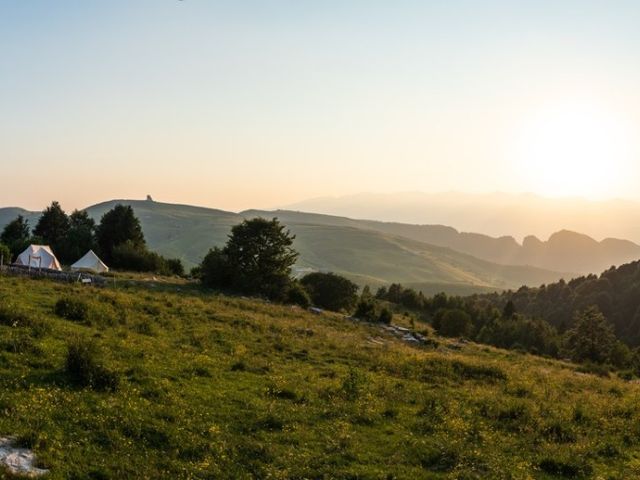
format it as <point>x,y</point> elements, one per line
<point>118,239</point>
<point>587,336</point>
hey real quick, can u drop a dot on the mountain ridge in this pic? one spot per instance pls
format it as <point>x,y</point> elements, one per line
<point>348,247</point>
<point>380,252</point>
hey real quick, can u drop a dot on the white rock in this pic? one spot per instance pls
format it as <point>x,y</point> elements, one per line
<point>17,460</point>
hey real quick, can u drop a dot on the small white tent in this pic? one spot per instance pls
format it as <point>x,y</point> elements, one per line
<point>90,263</point>
<point>38,256</point>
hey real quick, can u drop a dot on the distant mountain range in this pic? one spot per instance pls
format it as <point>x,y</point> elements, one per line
<point>495,214</point>
<point>431,258</point>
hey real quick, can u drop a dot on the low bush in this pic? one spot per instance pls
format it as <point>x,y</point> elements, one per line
<point>85,368</point>
<point>297,295</point>
<point>353,384</point>
<point>13,316</point>
<point>385,316</point>
<point>74,309</point>
<point>567,468</point>
<point>331,291</point>
<point>138,259</point>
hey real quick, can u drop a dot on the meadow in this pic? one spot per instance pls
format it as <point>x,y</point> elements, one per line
<point>205,386</point>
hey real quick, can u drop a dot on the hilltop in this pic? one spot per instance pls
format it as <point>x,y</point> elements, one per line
<point>209,386</point>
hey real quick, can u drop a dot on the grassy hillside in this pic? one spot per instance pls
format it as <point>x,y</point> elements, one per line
<point>349,247</point>
<point>365,255</point>
<point>219,387</point>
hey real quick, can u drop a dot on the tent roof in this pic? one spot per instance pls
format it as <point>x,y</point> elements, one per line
<point>90,261</point>
<point>43,252</point>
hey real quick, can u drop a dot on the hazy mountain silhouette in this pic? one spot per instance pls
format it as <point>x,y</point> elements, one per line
<point>495,214</point>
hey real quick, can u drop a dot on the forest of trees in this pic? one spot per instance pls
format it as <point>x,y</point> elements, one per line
<point>589,319</point>
<point>118,239</point>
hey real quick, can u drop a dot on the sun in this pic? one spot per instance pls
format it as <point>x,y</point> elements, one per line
<point>573,150</point>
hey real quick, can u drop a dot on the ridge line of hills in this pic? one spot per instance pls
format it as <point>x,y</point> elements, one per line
<point>426,257</point>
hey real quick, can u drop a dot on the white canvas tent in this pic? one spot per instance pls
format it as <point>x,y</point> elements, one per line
<point>38,256</point>
<point>90,263</point>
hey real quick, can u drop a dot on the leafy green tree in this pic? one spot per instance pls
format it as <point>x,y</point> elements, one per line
<point>174,266</point>
<point>53,228</point>
<point>509,310</point>
<point>256,260</point>
<point>81,236</point>
<point>16,235</point>
<point>533,335</point>
<point>591,338</point>
<point>215,270</point>
<point>453,323</point>
<point>261,254</point>
<point>331,291</point>
<point>117,227</point>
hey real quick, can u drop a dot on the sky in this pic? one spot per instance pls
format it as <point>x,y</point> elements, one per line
<point>255,104</point>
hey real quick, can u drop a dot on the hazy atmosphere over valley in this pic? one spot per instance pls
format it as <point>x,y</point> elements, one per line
<point>331,240</point>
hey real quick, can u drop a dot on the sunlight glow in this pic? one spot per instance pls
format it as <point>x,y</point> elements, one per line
<point>574,150</point>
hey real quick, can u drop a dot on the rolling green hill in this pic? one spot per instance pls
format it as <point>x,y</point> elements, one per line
<point>204,386</point>
<point>326,243</point>
<point>366,255</point>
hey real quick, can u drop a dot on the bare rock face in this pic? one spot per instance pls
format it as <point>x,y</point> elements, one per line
<point>19,461</point>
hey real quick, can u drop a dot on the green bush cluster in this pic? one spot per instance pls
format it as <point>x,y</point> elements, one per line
<point>72,308</point>
<point>85,368</point>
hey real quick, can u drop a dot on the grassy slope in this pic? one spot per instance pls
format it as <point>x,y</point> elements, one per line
<point>220,387</point>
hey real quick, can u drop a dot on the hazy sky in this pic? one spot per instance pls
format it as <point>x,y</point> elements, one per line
<point>256,104</point>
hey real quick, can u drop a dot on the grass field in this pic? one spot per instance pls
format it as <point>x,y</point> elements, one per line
<point>210,387</point>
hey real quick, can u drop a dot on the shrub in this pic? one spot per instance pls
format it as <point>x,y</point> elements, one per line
<point>568,468</point>
<point>19,341</point>
<point>366,310</point>
<point>385,316</point>
<point>297,295</point>
<point>84,366</point>
<point>11,315</point>
<point>128,256</point>
<point>452,323</point>
<point>331,291</point>
<point>353,384</point>
<point>72,309</point>
<point>439,459</point>
<point>174,266</point>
